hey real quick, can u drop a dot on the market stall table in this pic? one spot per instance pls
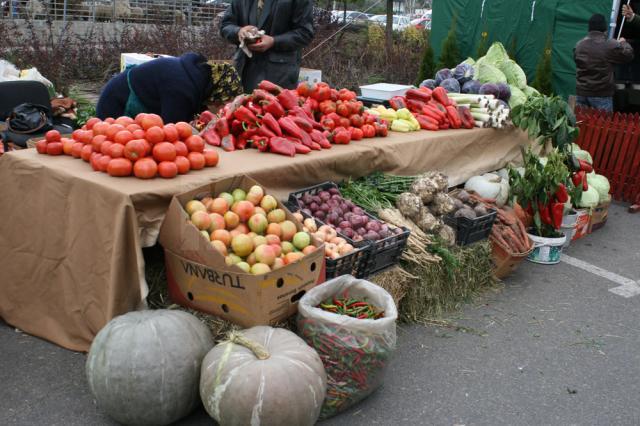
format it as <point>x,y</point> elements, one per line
<point>71,239</point>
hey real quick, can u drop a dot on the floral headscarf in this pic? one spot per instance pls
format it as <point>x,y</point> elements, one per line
<point>226,81</point>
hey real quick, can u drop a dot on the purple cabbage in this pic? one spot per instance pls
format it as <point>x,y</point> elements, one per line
<point>463,73</point>
<point>490,89</point>
<point>504,92</point>
<point>442,75</point>
<point>430,83</point>
<point>471,86</point>
<point>451,85</point>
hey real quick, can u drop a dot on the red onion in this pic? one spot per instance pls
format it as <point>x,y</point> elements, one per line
<point>334,191</point>
<point>345,224</point>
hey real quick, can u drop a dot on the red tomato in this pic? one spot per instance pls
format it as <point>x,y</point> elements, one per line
<point>76,134</point>
<point>181,148</point>
<point>356,120</point>
<point>210,158</point>
<point>164,151</point>
<point>342,137</point>
<point>41,146</point>
<point>91,122</point>
<point>305,89</point>
<point>93,160</point>
<point>184,130</point>
<point>154,135</point>
<point>343,109</point>
<point>76,149</point>
<point>67,145</point>
<point>116,151</point>
<point>54,148</point>
<point>103,163</point>
<point>113,129</point>
<point>183,164</point>
<point>105,147</point>
<point>124,121</point>
<point>86,136</point>
<point>368,131</point>
<point>150,120</point>
<point>135,149</point>
<point>133,127</point>
<point>97,142</point>
<point>356,134</point>
<point>122,137</point>
<point>138,119</point>
<point>145,168</point>
<point>195,143</point>
<point>100,128</point>
<point>138,134</point>
<point>85,154</point>
<point>147,147</point>
<point>52,136</point>
<point>167,169</point>
<point>196,159</point>
<point>345,122</point>
<point>109,120</point>
<point>119,167</point>
<point>171,133</point>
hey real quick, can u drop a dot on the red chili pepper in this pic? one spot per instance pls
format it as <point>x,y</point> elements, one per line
<point>273,107</point>
<point>228,142</point>
<point>557,211</point>
<point>397,102</point>
<point>269,120</point>
<point>585,185</point>
<point>254,108</point>
<point>443,126</point>
<point>301,149</point>
<point>211,137</point>
<point>288,99</point>
<point>468,122</point>
<point>440,95</point>
<point>270,87</point>
<point>279,145</point>
<point>454,118</point>
<point>427,123</point>
<point>299,112</point>
<point>266,132</point>
<point>585,167</point>
<point>561,193</point>
<point>302,123</point>
<point>289,127</point>
<point>418,95</point>
<point>320,139</point>
<point>545,213</point>
<point>222,127</point>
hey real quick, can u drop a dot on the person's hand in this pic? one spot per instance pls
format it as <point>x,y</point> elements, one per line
<point>627,11</point>
<point>246,31</point>
<point>265,43</point>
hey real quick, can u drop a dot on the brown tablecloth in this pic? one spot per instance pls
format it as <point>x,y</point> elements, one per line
<point>71,238</point>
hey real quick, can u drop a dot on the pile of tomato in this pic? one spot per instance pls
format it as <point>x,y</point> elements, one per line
<point>144,147</point>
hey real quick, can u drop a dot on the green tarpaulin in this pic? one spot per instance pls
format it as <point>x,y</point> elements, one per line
<point>523,24</point>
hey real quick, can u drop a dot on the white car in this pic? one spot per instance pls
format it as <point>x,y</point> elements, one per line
<point>352,16</point>
<point>399,22</point>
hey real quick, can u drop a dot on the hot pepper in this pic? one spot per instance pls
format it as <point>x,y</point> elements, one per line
<point>561,193</point>
<point>290,127</point>
<point>418,95</point>
<point>557,211</point>
<point>415,105</point>
<point>440,95</point>
<point>206,116</point>
<point>454,118</point>
<point>244,114</point>
<point>545,213</point>
<point>211,137</point>
<point>279,145</point>
<point>584,166</point>
<point>397,102</point>
<point>578,178</point>
<point>318,137</point>
<point>269,121</point>
<point>270,87</point>
<point>288,99</point>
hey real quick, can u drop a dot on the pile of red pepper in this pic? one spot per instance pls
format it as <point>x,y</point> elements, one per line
<point>552,212</point>
<point>433,109</point>
<point>579,177</point>
<point>289,122</point>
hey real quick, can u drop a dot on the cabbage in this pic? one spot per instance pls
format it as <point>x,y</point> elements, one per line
<point>517,97</point>
<point>601,184</point>
<point>469,61</point>
<point>463,73</point>
<point>530,91</point>
<point>451,85</point>
<point>504,92</point>
<point>472,86</point>
<point>489,89</point>
<point>590,198</point>
<point>430,83</point>
<point>496,54</point>
<point>442,75</point>
<point>515,75</point>
<point>486,73</point>
<point>582,155</point>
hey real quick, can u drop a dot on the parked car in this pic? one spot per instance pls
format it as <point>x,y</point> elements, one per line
<point>399,22</point>
<point>352,16</point>
<point>425,17</point>
<point>422,24</point>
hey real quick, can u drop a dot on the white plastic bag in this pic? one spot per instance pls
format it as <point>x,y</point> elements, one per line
<point>8,71</point>
<point>34,75</point>
<point>355,352</point>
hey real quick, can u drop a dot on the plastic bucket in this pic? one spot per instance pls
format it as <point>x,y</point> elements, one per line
<point>568,227</point>
<point>546,251</point>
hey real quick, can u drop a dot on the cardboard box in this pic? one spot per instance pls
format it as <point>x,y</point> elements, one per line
<point>599,216</point>
<point>128,60</point>
<point>199,278</point>
<point>582,224</point>
<point>310,75</point>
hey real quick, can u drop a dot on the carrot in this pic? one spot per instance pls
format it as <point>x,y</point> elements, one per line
<point>516,241</point>
<point>506,218</point>
<point>498,237</point>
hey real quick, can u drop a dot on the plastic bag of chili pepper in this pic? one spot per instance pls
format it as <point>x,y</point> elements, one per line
<point>351,323</point>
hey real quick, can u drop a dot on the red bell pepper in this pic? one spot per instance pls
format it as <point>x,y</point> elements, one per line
<point>301,149</point>
<point>288,99</point>
<point>279,145</point>
<point>545,213</point>
<point>245,115</point>
<point>255,108</point>
<point>236,127</point>
<point>454,118</point>
<point>415,105</point>
<point>418,95</point>
<point>557,211</point>
<point>440,95</point>
<point>438,109</point>
<point>427,123</point>
<point>206,116</point>
<point>260,142</point>
<point>584,166</point>
<point>270,121</point>
<point>270,87</point>
<point>468,121</point>
<point>210,136</point>
<point>273,107</point>
<point>222,127</point>
<point>397,102</point>
<point>232,106</point>
<point>318,137</point>
<point>289,127</point>
<point>561,193</point>
<point>265,131</point>
<point>228,142</point>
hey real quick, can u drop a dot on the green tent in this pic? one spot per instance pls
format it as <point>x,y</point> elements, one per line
<point>527,24</point>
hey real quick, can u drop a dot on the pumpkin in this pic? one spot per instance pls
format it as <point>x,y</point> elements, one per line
<point>265,376</point>
<point>143,367</point>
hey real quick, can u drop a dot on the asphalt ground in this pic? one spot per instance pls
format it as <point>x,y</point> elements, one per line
<point>553,346</point>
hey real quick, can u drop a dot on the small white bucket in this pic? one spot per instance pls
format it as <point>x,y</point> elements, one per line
<point>546,251</point>
<point>568,227</point>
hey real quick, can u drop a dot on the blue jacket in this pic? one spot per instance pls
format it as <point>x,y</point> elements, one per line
<point>174,88</point>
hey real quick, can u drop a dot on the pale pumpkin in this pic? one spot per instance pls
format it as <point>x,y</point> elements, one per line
<point>263,376</point>
<point>143,367</point>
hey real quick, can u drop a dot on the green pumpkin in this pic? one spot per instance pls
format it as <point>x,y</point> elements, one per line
<point>143,367</point>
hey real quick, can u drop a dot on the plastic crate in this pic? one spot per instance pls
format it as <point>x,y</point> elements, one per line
<point>469,231</point>
<point>348,264</point>
<point>382,254</point>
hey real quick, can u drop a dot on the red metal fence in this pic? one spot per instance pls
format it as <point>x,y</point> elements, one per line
<point>613,140</point>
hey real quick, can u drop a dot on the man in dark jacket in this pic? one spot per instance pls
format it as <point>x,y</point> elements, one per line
<point>288,27</point>
<point>174,88</point>
<point>595,56</point>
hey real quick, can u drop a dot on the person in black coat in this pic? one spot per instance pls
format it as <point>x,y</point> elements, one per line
<point>174,88</point>
<point>288,25</point>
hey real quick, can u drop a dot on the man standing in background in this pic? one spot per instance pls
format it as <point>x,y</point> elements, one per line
<point>276,56</point>
<point>595,56</point>
<point>633,20</point>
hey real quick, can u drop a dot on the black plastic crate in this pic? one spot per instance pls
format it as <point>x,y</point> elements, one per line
<point>469,231</point>
<point>383,253</point>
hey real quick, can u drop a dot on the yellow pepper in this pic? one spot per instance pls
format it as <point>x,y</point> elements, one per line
<point>400,125</point>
